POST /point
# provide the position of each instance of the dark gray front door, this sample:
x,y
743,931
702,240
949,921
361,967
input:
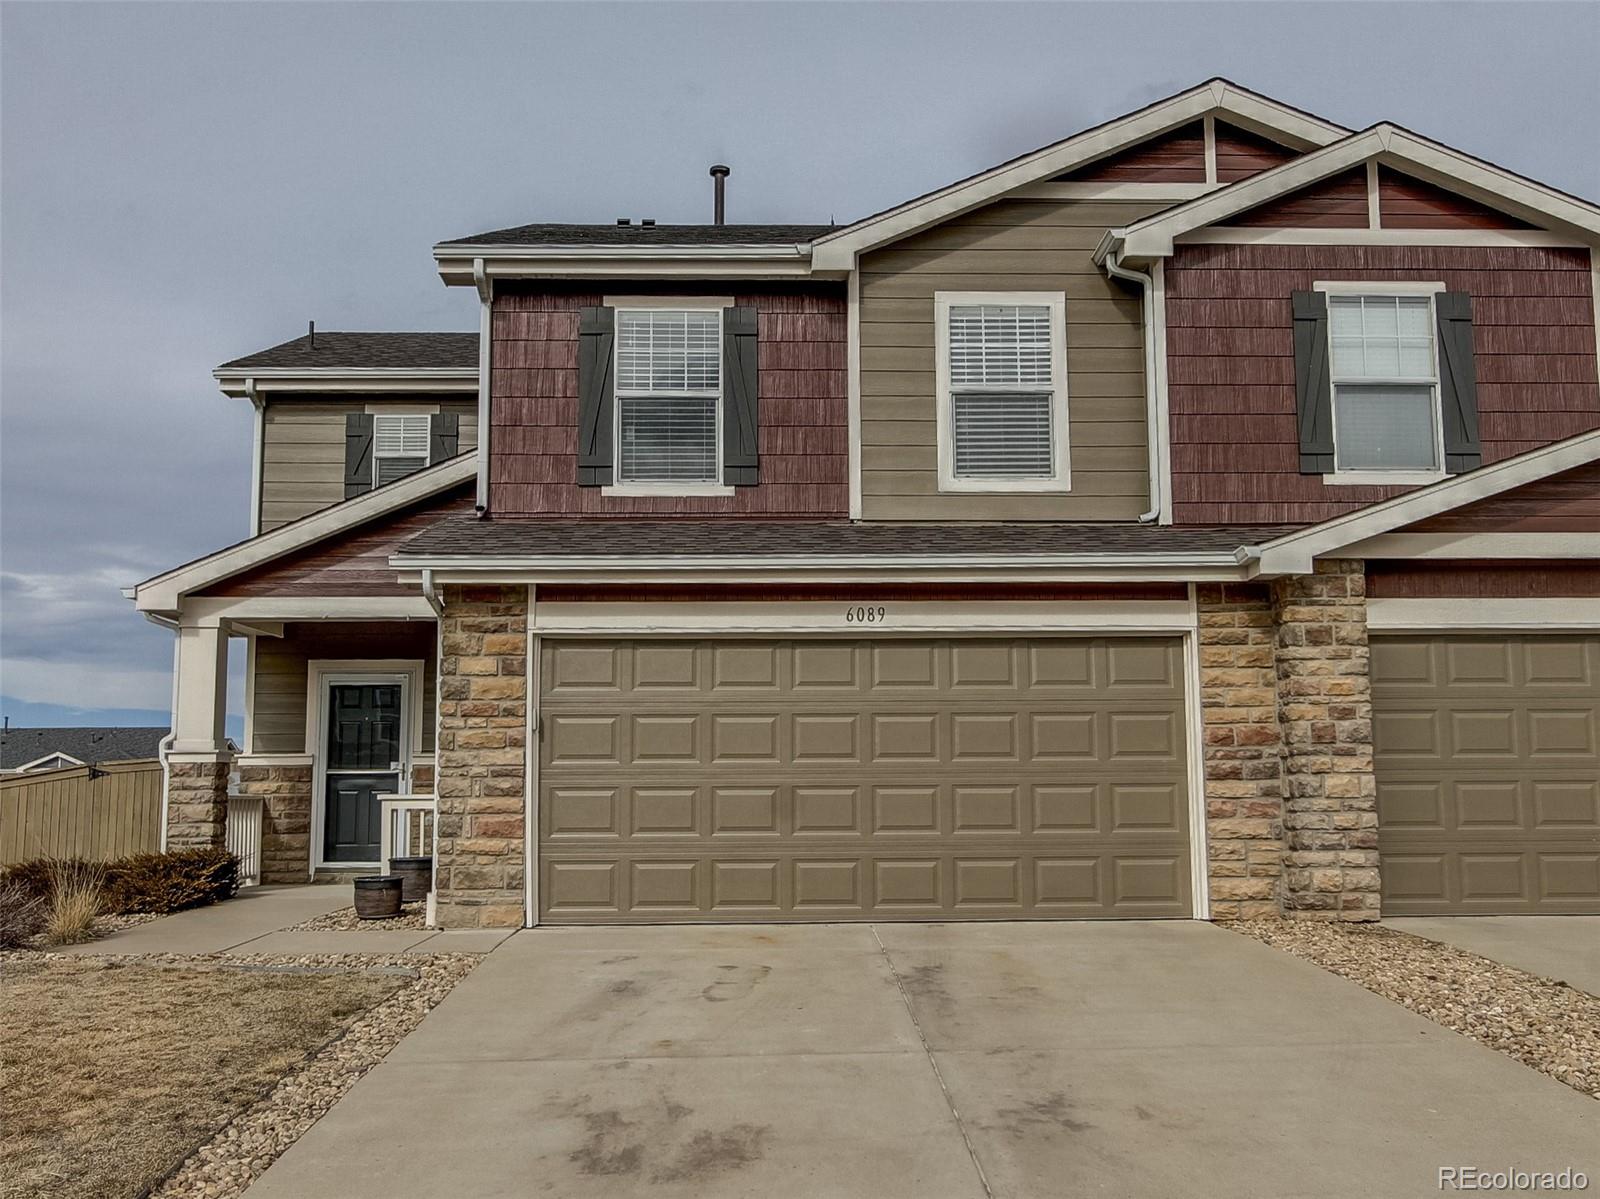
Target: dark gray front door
x,y
364,762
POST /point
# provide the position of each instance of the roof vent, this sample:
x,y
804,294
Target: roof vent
x,y
719,174
622,220
648,222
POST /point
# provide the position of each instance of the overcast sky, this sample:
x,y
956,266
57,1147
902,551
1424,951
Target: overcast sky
x,y
184,183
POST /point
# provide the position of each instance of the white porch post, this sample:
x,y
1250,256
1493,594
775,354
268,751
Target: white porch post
x,y
197,783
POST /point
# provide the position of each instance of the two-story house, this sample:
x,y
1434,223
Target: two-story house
x,y
1196,517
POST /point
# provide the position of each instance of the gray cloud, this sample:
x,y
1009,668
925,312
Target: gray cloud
x,y
185,183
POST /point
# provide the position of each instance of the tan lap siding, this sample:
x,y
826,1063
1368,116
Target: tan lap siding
x,y
302,450
279,703
1014,245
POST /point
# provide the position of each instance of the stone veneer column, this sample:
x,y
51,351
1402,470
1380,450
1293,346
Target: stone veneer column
x,y
1325,711
481,776
286,825
197,802
1242,749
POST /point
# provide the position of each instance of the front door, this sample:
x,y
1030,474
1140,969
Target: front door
x,y
364,760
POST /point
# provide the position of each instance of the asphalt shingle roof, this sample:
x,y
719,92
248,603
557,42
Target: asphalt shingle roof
x,y
364,350
645,235
89,745
456,536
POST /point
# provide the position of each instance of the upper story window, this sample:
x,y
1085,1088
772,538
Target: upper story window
x,y
399,445
1385,378
1002,395
668,395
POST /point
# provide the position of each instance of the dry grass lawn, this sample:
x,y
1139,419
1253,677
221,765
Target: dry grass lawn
x,y
114,1072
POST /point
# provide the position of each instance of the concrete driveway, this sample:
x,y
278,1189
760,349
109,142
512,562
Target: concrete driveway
x,y
1563,947
926,1061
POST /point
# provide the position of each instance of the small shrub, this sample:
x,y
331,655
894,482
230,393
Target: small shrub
x,y
146,882
21,914
75,890
171,882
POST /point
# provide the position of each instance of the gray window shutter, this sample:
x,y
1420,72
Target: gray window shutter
x,y
1458,383
597,332
357,454
444,435
1313,385
740,398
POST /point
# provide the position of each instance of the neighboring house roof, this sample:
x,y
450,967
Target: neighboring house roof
x,y
24,747
783,542
1391,146
614,235
1295,550
1220,97
163,592
364,351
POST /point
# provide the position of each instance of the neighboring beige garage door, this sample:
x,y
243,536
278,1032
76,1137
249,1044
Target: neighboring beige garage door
x,y
850,780
1488,763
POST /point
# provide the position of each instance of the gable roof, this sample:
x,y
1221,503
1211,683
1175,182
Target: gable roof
x,y
655,236
1216,97
163,593
364,351
85,746
1294,552
1392,146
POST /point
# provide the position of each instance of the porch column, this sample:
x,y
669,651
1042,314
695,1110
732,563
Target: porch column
x,y
481,779
1330,816
199,762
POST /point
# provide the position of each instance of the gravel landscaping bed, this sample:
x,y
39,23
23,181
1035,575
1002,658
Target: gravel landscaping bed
x,y
244,1147
1541,1022
345,920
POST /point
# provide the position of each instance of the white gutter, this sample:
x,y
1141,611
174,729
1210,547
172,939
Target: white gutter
x,y
256,450
1152,407
485,286
778,563
445,251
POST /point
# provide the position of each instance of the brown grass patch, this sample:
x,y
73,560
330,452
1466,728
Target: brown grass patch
x,y
115,1070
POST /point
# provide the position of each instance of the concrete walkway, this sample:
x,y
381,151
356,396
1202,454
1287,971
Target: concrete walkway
x,y
1563,947
925,1062
254,920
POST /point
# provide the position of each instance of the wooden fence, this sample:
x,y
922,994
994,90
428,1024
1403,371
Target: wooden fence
x,y
67,814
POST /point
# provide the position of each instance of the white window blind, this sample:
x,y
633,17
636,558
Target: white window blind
x,y
1001,391
1385,382
399,445
669,388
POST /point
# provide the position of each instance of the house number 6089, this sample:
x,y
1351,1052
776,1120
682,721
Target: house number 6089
x,y
865,615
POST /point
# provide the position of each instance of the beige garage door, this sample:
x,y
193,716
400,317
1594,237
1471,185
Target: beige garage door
x,y
1488,763
851,780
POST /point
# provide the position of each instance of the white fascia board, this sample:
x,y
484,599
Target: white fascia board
x,y
1295,552
624,262
1154,236
837,251
1477,545
348,379
164,592
256,610
779,564
37,763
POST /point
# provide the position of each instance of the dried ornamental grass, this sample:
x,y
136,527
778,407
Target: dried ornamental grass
x,y
75,893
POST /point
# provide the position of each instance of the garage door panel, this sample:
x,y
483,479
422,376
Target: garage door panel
x,y
916,779
1488,765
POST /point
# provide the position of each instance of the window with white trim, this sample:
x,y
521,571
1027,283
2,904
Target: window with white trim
x,y
1002,391
399,445
1384,368
669,395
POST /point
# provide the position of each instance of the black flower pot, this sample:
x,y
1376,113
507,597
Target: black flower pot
x,y
378,897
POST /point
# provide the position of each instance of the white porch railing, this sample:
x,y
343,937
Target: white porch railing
x,y
246,815
408,829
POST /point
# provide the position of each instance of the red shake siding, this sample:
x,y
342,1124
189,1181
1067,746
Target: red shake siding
x,y
1407,203
1230,364
533,463
1175,157
1241,154
1564,503
1495,579
1340,202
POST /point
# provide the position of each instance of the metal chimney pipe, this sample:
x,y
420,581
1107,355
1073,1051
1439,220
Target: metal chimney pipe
x,y
720,174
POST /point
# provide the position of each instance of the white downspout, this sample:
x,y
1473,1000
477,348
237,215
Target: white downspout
x,y
485,286
1152,415
257,449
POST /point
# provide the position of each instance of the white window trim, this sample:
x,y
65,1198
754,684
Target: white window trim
x,y
1056,301
641,488
1381,478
